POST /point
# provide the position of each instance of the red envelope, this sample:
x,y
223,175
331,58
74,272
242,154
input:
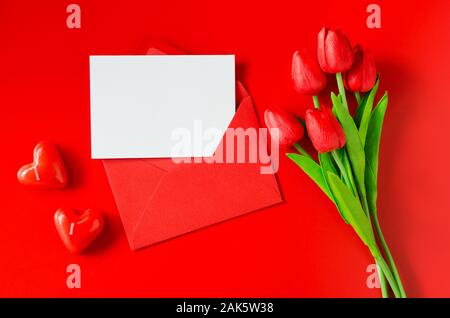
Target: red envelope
x,y
159,199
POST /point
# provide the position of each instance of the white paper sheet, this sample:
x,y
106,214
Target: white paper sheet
x,y
152,106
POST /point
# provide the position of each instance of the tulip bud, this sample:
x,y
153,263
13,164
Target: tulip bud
x,y
361,77
307,76
290,130
334,51
324,130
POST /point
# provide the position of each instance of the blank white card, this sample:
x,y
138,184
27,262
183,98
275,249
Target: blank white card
x,y
160,106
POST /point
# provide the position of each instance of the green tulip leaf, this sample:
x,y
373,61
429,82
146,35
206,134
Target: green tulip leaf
x,y
366,112
354,146
313,170
350,207
372,149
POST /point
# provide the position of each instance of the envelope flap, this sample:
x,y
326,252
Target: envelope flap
x,y
158,47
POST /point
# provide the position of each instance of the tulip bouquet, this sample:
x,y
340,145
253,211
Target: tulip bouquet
x,y
347,162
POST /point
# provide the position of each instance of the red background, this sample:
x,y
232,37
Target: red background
x,y
298,248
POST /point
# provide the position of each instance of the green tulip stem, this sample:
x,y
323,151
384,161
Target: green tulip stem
x,y
381,274
340,83
341,167
388,254
316,101
384,289
301,150
387,273
351,177
358,97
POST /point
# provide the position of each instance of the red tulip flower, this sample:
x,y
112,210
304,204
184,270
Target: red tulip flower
x,y
290,130
307,76
334,51
361,77
324,130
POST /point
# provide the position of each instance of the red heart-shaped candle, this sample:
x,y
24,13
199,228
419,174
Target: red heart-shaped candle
x,y
78,230
47,170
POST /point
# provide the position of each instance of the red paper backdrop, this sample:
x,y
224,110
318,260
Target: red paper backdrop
x,y
298,248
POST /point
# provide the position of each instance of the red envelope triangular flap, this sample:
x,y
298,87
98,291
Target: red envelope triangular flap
x,y
132,183
240,92
209,194
245,116
158,47
244,119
